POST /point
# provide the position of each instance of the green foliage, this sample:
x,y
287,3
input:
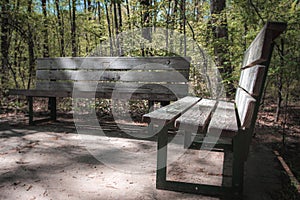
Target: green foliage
x,y
244,19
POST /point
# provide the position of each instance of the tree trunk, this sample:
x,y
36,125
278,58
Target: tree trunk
x,y
280,83
120,16
45,31
145,23
30,45
61,30
109,28
120,26
116,26
183,25
220,36
128,13
4,45
73,29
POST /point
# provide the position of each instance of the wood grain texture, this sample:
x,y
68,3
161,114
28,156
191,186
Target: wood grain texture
x,y
260,49
223,122
197,116
171,112
105,63
126,76
179,90
245,104
251,79
90,95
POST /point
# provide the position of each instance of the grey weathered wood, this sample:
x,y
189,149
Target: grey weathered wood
x,y
140,95
232,121
197,116
223,122
169,113
179,90
251,79
245,104
104,63
126,76
260,49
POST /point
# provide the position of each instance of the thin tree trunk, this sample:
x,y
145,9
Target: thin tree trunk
x,y
167,23
128,14
120,26
45,31
4,45
220,34
73,29
120,16
196,11
280,83
61,30
116,26
145,23
183,18
109,28
30,45
173,23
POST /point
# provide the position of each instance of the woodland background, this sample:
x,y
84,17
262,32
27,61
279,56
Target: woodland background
x,y
57,28
31,29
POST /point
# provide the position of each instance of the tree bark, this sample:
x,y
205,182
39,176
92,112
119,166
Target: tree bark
x,y
109,27
280,83
128,13
220,35
61,29
145,23
120,27
183,25
73,29
45,31
4,45
30,45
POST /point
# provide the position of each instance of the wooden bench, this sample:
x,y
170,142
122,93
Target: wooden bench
x,y
228,126
161,79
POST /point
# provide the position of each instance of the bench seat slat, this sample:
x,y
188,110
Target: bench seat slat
x,y
224,121
170,112
197,116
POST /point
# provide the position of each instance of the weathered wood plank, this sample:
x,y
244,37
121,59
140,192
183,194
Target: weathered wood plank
x,y
223,122
90,95
103,63
102,75
260,49
197,116
177,89
251,79
245,104
169,113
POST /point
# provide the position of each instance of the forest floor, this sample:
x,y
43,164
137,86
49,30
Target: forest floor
x,y
50,161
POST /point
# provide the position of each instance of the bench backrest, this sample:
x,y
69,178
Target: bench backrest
x,y
153,78
253,73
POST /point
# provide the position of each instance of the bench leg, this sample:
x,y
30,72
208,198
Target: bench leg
x,y
30,109
52,102
161,171
187,139
150,109
238,165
